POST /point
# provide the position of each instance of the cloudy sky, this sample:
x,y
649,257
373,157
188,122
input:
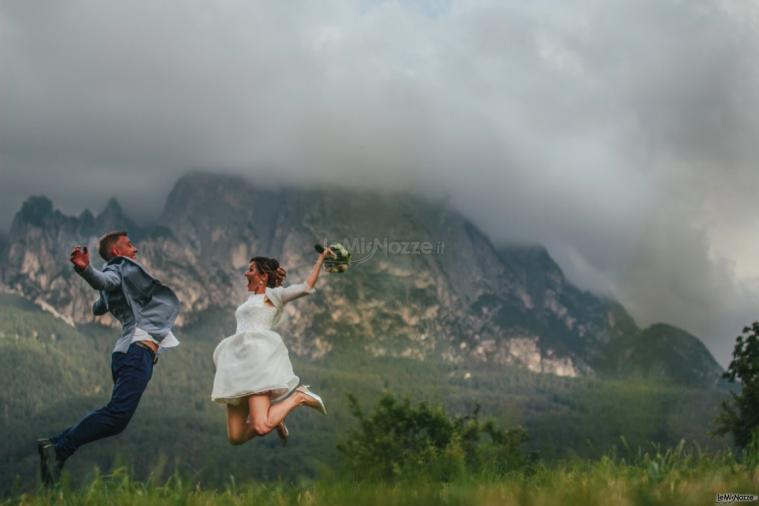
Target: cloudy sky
x,y
622,134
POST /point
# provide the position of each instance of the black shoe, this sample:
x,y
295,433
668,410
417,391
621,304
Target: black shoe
x,y
47,480
50,466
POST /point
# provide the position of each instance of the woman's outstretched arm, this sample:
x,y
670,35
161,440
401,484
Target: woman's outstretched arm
x,y
298,290
311,279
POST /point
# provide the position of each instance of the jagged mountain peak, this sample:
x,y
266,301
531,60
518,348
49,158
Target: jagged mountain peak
x,y
112,213
197,189
113,218
204,206
86,216
35,210
213,195
112,208
38,213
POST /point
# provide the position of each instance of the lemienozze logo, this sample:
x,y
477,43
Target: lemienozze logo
x,y
733,497
365,248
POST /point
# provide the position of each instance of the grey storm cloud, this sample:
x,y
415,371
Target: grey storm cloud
x,y
622,134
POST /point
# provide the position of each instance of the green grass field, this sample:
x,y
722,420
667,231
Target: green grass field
x,y
673,477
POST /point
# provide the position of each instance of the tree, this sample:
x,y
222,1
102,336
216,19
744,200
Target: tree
x,y
740,414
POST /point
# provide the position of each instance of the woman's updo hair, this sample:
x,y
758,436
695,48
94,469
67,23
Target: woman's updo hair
x,y
268,266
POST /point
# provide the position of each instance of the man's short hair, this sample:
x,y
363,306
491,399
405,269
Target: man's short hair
x,y
107,242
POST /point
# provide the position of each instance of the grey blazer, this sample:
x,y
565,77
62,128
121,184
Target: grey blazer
x,y
134,298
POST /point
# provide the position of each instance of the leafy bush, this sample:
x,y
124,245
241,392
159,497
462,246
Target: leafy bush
x,y
399,441
740,415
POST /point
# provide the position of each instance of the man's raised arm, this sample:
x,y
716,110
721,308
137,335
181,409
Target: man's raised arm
x,y
106,280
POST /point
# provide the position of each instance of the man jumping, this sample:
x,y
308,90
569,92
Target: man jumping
x,y
146,309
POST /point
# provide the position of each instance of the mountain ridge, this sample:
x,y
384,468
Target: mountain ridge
x,y
512,305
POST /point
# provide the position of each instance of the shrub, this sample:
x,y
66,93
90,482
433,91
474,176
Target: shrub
x,y
401,441
740,414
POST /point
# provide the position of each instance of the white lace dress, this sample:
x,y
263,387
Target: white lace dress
x,y
255,359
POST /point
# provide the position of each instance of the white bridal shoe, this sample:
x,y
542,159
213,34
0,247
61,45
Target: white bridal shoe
x,y
312,400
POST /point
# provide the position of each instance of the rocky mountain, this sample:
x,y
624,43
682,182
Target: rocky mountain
x,y
665,352
425,281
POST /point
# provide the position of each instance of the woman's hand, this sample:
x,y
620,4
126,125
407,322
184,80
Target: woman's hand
x,y
281,274
327,252
311,281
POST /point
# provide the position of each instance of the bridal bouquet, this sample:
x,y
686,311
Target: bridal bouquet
x,y
339,262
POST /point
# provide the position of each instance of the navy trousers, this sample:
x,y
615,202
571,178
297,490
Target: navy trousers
x,y
131,372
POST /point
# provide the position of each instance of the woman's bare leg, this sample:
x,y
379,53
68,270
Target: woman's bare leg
x,y
265,416
237,424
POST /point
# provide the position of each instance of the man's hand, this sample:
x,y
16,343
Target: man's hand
x,y
80,257
281,274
